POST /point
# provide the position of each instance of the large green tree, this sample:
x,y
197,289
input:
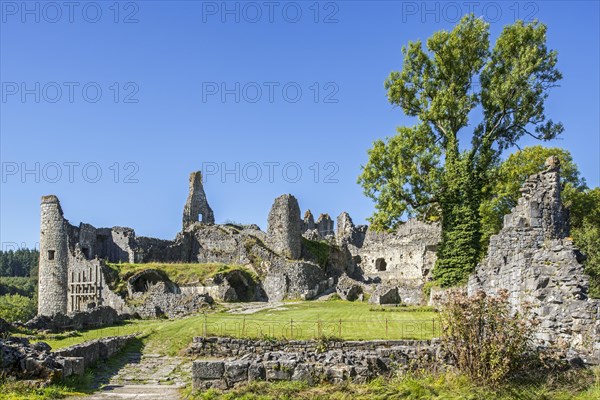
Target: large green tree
x,y
427,169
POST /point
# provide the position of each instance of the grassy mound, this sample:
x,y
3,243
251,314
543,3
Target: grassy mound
x,y
180,273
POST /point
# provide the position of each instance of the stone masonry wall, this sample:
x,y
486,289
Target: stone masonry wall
x,y
285,227
53,278
310,361
196,203
93,318
537,263
81,356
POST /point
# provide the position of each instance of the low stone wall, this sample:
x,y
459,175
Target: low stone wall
x,y
75,359
94,318
311,361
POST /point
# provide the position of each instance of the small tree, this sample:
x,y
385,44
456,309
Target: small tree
x,y
484,338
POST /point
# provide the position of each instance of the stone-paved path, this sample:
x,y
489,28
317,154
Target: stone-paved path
x,y
147,376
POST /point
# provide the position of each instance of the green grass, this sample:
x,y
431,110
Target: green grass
x,y
306,319
577,385
571,385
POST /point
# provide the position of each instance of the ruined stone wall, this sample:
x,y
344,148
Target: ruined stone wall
x,y
324,226
96,318
405,257
537,263
288,265
72,276
196,203
309,361
285,228
157,303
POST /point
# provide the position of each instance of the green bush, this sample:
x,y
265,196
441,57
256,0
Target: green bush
x,y
14,307
485,339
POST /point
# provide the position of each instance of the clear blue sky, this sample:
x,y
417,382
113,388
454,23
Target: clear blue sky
x,y
172,56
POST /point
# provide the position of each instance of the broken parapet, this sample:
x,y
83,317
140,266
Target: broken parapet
x,y
540,205
308,222
196,203
347,233
285,227
324,225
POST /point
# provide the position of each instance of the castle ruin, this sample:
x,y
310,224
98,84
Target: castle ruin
x,y
74,275
297,258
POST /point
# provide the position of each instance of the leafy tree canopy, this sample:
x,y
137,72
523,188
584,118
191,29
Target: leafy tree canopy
x,y
425,170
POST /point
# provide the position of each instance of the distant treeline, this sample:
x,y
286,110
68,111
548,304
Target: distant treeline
x,y
22,262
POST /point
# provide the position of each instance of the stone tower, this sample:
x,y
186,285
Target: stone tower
x,y
53,274
197,203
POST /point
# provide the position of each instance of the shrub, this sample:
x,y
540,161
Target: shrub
x,y
14,307
484,338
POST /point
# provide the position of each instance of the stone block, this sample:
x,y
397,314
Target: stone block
x,y
236,372
206,370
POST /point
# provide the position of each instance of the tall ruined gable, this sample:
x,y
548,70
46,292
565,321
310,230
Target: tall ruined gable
x,y
537,263
196,203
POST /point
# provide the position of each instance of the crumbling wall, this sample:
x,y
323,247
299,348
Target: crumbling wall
x,y
347,233
294,280
324,226
287,266
308,221
285,229
196,203
406,254
537,263
94,318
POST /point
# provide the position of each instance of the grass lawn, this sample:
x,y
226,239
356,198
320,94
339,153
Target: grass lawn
x,y
293,320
